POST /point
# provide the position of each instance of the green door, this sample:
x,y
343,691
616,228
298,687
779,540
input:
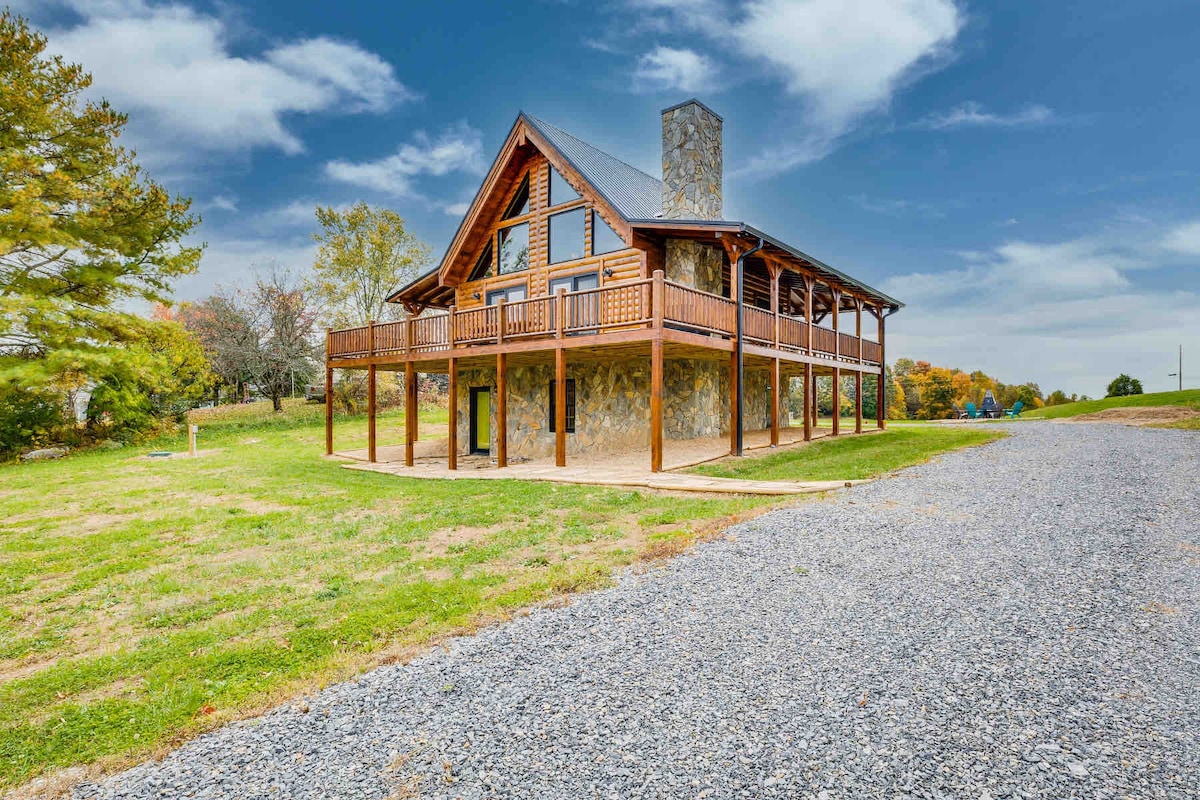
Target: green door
x,y
481,419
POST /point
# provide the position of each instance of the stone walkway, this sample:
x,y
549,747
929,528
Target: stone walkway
x,y
620,469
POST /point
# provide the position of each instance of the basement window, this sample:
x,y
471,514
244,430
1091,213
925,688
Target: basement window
x,y
570,405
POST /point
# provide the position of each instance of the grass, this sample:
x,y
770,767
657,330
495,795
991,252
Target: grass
x,y
854,457
145,600
1189,398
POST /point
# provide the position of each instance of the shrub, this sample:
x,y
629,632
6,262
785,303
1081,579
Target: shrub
x,y
1123,385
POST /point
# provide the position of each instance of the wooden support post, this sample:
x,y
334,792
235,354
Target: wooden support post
x,y
775,388
371,414
658,299
837,334
808,402
192,431
501,319
809,285
837,400
560,406
656,401
858,389
816,406
501,410
410,411
858,307
328,411
733,393
881,386
773,268
452,409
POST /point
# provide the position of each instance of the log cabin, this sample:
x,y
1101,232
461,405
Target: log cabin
x,y
584,306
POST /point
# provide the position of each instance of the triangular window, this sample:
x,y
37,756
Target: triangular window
x,y
560,191
519,205
604,238
484,265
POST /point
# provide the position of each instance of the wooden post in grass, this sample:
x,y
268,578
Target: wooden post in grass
x,y
328,411
808,402
192,430
837,400
410,411
775,387
452,433
501,410
370,413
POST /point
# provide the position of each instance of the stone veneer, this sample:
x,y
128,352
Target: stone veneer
x,y
691,162
695,264
612,405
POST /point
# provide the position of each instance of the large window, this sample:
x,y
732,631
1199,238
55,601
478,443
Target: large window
x,y
604,238
566,235
514,248
570,405
560,191
519,205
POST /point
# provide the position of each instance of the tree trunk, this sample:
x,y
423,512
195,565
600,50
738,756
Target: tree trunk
x,y
277,400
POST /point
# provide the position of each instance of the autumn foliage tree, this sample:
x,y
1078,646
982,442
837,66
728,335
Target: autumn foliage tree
x,y
84,232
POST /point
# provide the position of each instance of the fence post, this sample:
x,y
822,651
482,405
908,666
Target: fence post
x,y
560,313
450,336
371,338
658,298
501,321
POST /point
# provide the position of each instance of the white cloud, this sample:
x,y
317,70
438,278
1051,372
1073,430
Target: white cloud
x,y
173,69
1184,239
223,202
456,209
1064,314
842,59
973,115
458,149
666,68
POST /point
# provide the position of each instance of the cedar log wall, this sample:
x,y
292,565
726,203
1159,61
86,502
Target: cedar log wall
x,y
627,264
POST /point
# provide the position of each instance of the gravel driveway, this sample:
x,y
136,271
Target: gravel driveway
x,y
1018,620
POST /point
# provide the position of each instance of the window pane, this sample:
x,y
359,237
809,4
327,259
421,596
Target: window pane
x,y
484,265
560,191
604,238
514,248
520,201
566,236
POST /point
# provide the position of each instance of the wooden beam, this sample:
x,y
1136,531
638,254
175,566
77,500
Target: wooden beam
x,y
371,414
502,410
560,407
733,394
809,283
656,404
452,409
837,399
808,402
858,404
775,389
410,411
328,411
881,387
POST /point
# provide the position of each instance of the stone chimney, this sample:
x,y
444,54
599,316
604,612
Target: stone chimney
x,y
691,162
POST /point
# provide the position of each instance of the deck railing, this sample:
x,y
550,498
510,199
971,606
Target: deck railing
x,y
622,306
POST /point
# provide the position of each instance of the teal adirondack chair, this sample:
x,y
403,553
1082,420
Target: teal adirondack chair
x,y
972,412
1015,411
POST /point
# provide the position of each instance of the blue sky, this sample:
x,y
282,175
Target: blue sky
x,y
1024,176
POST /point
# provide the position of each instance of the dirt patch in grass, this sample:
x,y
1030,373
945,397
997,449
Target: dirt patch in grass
x,y
1134,415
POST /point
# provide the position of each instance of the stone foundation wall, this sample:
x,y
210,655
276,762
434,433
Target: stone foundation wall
x,y
612,405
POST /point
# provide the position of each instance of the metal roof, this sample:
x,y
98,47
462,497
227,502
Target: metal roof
x,y
632,193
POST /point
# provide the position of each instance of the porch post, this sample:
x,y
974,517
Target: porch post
x,y
775,387
808,401
501,410
881,386
328,409
656,404
809,284
371,414
837,400
733,396
410,411
560,407
452,410
773,269
858,376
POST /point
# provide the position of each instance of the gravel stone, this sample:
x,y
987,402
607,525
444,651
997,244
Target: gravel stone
x,y
1020,620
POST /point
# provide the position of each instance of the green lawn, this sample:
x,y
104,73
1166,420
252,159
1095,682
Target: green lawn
x,y
1188,397
853,457
145,600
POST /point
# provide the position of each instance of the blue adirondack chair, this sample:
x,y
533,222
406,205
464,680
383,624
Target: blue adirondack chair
x,y
1015,411
972,412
